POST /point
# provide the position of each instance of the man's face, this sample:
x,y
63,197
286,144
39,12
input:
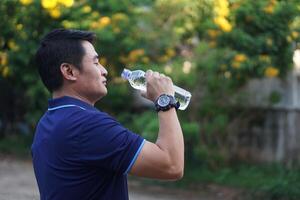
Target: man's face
x,y
91,81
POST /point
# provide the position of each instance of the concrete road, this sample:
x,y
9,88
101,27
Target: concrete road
x,y
17,182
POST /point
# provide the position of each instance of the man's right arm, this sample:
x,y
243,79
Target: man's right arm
x,y
163,159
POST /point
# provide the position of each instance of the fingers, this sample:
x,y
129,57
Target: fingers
x,y
166,77
153,75
157,84
162,75
156,74
150,73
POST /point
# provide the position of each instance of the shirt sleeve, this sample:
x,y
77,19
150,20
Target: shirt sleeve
x,y
107,144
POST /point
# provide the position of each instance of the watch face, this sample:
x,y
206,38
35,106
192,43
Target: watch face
x,y
163,100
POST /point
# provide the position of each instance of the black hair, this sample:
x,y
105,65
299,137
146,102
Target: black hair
x,y
57,47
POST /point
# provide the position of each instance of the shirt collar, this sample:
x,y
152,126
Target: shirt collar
x,y
67,101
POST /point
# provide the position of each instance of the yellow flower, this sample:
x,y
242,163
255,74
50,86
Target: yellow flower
x,y
12,45
163,58
26,2
222,11
170,52
104,21
116,30
119,17
240,58
212,33
67,3
269,9
289,38
236,65
269,42
271,72
103,61
265,58
19,27
273,2
49,4
135,54
55,13
87,9
168,69
3,59
221,3
95,14
67,24
145,60
5,71
223,24
94,25
221,8
295,34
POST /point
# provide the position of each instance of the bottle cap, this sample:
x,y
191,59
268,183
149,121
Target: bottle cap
x,y
126,74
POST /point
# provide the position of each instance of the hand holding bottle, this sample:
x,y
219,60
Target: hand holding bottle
x,y
156,85
138,80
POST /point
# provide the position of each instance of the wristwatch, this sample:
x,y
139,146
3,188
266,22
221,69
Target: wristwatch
x,y
164,102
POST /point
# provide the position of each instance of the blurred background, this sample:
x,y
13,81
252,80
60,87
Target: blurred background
x,y
238,58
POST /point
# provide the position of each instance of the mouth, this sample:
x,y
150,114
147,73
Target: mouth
x,y
104,82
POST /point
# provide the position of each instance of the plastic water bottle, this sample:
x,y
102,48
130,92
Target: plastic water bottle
x,y
137,80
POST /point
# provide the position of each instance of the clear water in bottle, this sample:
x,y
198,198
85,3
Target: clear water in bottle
x,y
137,80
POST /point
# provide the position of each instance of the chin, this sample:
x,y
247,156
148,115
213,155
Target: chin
x,y
102,94
105,92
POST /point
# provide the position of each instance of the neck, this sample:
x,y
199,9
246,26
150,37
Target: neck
x,y
71,93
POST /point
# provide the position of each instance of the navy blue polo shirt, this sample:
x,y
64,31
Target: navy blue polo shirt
x,y
82,153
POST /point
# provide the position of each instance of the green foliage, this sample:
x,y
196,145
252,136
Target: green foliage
x,y
275,97
208,51
16,145
25,22
254,39
261,37
118,95
144,124
272,182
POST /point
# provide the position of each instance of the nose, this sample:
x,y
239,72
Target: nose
x,y
104,72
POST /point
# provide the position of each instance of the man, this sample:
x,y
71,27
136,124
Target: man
x,y
82,153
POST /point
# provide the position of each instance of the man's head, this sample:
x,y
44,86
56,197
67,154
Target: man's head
x,y
67,58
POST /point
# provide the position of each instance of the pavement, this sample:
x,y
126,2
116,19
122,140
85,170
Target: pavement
x,y
17,182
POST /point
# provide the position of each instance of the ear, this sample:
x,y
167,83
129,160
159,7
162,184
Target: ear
x,y
68,71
